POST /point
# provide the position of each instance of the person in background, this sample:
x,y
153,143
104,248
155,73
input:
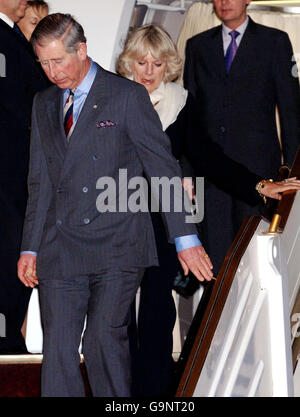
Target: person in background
x,y
150,58
36,10
240,72
21,77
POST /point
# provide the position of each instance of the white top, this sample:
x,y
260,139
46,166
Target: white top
x,y
168,100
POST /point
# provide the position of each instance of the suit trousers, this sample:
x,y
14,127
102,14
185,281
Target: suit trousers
x,y
14,296
151,339
104,299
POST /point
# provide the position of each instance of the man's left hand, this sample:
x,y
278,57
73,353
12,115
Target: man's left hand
x,y
197,261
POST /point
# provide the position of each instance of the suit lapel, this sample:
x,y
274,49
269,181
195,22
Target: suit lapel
x,y
94,103
215,53
55,125
246,51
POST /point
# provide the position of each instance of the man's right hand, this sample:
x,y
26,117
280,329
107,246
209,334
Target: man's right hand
x,y
27,270
196,260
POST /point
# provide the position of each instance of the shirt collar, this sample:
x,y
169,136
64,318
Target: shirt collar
x,y
85,85
241,29
6,19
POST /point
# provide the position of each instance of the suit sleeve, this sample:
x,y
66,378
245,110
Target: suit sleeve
x,y
189,70
39,190
154,151
208,159
288,96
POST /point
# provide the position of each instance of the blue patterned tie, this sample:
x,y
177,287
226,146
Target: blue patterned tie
x,y
231,50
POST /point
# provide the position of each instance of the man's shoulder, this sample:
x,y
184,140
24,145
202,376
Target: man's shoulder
x,y
4,27
7,35
48,93
117,81
205,36
119,86
266,31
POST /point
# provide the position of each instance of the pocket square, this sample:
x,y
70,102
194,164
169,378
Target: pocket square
x,y
106,123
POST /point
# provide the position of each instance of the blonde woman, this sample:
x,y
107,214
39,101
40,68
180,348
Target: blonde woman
x,y
36,10
151,59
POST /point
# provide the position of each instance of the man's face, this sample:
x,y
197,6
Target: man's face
x,y
14,9
63,68
232,12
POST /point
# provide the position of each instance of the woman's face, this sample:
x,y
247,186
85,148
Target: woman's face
x,y
30,20
149,71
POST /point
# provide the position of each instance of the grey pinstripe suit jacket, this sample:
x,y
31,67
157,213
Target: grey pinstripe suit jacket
x,y
62,222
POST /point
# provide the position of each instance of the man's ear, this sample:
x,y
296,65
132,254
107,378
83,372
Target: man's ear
x,y
82,50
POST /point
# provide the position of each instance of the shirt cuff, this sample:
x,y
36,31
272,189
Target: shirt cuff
x,y
186,242
29,252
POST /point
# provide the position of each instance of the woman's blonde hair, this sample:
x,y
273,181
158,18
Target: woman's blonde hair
x,y
153,39
39,6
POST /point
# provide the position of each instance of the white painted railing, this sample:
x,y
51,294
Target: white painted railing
x,y
250,354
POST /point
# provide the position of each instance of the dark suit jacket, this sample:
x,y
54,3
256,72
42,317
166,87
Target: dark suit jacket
x,y
237,113
62,222
23,78
20,78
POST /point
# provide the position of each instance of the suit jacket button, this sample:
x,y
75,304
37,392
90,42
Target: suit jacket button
x,y
223,129
58,222
85,189
86,221
95,157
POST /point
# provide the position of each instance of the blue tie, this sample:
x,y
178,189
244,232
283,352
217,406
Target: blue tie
x,y
18,30
231,50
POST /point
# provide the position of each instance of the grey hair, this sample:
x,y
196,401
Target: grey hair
x,y
59,26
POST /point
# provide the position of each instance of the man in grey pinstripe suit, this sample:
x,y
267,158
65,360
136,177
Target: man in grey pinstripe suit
x,y
87,262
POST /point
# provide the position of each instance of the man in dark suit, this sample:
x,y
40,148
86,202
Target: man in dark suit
x,y
239,72
20,79
90,261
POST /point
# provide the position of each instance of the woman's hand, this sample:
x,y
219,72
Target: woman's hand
x,y
273,189
188,186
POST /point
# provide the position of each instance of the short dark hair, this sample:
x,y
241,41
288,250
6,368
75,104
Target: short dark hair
x,y
59,26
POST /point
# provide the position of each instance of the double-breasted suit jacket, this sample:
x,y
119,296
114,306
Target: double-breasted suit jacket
x,y
237,111
117,129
